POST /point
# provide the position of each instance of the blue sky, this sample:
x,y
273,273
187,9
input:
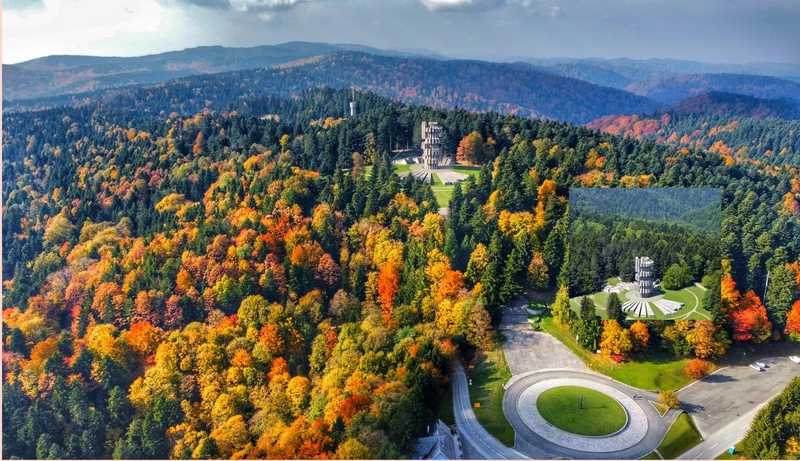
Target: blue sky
x,y
726,31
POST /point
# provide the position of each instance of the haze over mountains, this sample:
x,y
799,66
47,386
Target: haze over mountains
x,y
578,91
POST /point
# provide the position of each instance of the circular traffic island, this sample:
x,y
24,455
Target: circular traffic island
x,y
580,410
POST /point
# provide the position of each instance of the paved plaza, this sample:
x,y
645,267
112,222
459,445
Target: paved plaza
x,y
527,350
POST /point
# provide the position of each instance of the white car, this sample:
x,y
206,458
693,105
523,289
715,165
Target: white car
x,y
794,358
761,364
756,367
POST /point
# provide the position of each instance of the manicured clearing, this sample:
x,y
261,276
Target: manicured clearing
x,y
612,281
598,415
651,371
488,376
692,304
682,435
651,455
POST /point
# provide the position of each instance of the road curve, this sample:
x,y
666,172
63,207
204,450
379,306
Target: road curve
x,y
469,429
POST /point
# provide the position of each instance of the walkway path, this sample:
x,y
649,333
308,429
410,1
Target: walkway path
x,y
632,443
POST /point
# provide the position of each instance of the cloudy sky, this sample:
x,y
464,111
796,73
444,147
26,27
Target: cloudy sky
x,y
731,31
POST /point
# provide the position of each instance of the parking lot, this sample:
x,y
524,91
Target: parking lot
x,y
718,399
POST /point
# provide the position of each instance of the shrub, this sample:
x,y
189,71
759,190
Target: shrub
x,y
669,398
698,368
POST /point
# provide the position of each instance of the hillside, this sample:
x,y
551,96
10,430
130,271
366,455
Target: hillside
x,y
735,138
737,105
474,85
621,72
673,89
56,75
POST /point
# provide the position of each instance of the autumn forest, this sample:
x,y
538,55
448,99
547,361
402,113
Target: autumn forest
x,y
250,278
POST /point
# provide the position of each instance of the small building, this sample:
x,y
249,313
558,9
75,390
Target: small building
x,y
438,444
644,277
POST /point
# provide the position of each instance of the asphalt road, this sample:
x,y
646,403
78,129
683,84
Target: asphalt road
x,y
469,429
721,440
721,398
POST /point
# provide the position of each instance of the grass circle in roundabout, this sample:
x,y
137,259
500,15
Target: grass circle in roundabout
x,y
600,414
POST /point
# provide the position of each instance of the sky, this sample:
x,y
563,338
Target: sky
x,y
719,31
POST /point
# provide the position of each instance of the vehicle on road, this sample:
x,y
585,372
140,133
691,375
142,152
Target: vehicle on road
x,y
761,364
756,367
794,358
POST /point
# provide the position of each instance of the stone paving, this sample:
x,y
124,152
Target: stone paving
x,y
632,433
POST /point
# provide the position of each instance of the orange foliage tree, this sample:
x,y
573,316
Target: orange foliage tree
x,y
750,320
640,335
698,368
388,284
793,321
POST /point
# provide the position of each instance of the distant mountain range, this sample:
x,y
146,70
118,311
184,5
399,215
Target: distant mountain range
x,y
57,75
577,91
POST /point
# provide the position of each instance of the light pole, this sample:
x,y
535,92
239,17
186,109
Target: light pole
x,y
581,407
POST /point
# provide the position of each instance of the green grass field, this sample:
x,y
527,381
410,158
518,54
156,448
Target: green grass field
x,y
489,374
651,370
682,435
580,410
441,191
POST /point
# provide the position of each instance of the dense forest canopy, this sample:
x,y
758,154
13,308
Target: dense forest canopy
x,y
664,204
606,245
191,274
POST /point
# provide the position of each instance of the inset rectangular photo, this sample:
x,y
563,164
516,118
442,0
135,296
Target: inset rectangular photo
x,y
644,254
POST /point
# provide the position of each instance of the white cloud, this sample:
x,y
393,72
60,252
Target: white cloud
x,y
72,27
460,5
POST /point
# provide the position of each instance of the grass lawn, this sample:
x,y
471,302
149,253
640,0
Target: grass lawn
x,y
612,281
660,408
739,448
581,410
651,371
441,191
489,374
651,455
682,436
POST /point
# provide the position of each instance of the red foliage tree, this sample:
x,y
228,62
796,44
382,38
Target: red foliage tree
x,y
750,320
793,321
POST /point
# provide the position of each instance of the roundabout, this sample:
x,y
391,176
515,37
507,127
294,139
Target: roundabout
x,y
640,432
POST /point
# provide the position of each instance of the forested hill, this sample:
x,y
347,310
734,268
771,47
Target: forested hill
x,y
219,284
734,138
673,89
696,206
57,75
737,105
473,85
